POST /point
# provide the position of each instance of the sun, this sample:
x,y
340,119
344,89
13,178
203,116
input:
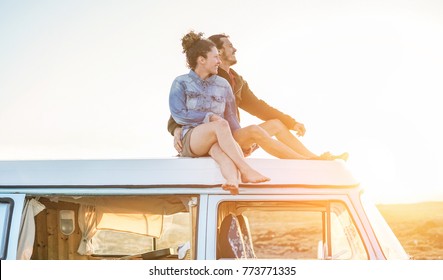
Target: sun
x,y
374,165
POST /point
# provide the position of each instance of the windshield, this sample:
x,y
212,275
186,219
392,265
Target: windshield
x,y
391,247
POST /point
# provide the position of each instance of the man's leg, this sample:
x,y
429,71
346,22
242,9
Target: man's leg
x,y
281,132
256,134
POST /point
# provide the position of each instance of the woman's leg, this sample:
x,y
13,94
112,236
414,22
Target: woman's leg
x,y
205,135
227,167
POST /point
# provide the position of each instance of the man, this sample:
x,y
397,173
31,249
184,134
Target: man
x,y
277,124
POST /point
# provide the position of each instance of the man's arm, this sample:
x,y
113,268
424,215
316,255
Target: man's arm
x,y
175,129
172,125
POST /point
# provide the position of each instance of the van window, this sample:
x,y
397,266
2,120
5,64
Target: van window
x,y
118,227
289,230
392,249
175,232
6,207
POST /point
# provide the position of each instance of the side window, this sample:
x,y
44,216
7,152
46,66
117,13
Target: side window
x,y
288,230
162,230
118,227
175,232
6,208
391,246
346,243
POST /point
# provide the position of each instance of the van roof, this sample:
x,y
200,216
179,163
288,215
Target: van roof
x,y
172,171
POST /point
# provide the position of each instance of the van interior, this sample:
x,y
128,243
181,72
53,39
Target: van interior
x,y
113,227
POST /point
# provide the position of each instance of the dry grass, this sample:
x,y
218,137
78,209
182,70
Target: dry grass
x,y
419,227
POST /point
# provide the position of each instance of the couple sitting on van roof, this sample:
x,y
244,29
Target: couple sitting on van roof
x,y
204,103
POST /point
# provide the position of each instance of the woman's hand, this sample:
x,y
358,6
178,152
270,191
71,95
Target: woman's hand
x,y
214,118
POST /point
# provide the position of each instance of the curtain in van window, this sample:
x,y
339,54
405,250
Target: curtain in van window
x,y
158,204
87,222
27,229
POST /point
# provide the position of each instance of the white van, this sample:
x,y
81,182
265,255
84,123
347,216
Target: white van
x,y
174,208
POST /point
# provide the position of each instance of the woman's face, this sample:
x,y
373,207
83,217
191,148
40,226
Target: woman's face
x,y
211,62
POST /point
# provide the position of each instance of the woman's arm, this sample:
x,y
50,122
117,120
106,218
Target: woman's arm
x,y
177,105
230,113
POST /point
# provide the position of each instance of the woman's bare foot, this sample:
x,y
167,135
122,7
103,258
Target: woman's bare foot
x,y
231,187
253,176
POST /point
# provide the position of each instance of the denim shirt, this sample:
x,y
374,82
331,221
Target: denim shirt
x,y
193,100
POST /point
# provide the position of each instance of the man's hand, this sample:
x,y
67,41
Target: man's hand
x,y
299,128
177,142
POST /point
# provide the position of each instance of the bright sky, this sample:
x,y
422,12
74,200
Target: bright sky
x,y
90,79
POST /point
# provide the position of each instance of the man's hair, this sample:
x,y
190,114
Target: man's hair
x,y
217,40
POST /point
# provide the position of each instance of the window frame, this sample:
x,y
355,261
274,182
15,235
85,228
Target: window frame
x,y
6,226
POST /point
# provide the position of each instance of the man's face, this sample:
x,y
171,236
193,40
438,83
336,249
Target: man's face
x,y
227,53
212,61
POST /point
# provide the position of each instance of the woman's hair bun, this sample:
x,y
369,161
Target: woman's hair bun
x,y
190,39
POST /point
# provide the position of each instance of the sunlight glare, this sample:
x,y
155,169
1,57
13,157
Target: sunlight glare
x,y
373,165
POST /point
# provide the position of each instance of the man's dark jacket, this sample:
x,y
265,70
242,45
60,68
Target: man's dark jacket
x,y
246,100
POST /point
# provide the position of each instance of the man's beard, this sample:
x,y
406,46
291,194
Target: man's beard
x,y
229,61
233,61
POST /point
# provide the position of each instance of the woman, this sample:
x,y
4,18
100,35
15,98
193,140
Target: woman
x,y
204,104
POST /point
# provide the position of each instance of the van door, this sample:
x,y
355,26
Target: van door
x,y
11,206
285,227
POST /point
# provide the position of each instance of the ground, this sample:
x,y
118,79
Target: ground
x,y
419,227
